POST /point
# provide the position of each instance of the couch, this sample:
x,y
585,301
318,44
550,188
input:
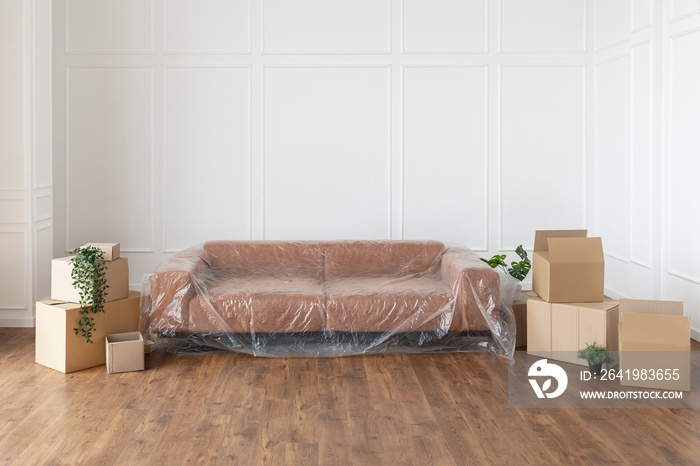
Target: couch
x,y
331,298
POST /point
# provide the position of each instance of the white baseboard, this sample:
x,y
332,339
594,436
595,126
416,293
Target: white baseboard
x,y
694,334
22,322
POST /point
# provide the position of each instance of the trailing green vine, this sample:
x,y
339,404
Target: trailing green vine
x,y
89,277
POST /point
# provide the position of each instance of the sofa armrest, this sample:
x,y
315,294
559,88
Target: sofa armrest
x,y
169,290
476,288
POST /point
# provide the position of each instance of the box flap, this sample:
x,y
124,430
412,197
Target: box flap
x,y
541,237
640,306
652,329
575,250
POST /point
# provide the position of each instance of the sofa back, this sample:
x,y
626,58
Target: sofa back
x,y
277,258
395,258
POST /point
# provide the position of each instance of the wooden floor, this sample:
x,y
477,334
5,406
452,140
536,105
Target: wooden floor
x,y
235,409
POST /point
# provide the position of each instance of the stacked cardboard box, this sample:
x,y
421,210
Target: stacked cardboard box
x,y
571,311
57,345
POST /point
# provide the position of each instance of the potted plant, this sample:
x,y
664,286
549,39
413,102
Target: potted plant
x,y
517,270
595,356
89,277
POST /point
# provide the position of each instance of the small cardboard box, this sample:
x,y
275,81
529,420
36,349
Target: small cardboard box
x,y
520,311
559,330
654,335
57,345
124,352
568,267
62,288
111,250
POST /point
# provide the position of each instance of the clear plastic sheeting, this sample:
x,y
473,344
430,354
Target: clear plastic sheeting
x,y
325,299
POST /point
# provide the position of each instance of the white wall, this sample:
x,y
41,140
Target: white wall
x,y
470,121
645,148
179,121
25,158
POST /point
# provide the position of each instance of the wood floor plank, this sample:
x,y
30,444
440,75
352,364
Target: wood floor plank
x,y
274,432
416,407
433,450
208,440
241,437
305,405
461,441
481,378
302,453
393,427
334,444
482,423
366,445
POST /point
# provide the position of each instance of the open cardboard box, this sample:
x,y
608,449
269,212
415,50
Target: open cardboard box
x,y
57,345
654,335
559,330
568,267
124,352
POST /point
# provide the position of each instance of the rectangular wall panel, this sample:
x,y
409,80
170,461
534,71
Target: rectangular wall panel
x,y
613,155
543,177
13,272
11,97
207,26
683,7
642,152
207,147
109,156
42,263
613,21
43,207
108,26
684,157
42,99
326,139
445,154
641,13
543,25
12,211
445,26
326,26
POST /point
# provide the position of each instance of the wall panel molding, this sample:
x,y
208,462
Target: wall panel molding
x,y
109,19
580,172
70,241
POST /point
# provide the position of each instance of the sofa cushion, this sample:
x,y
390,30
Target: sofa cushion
x,y
364,258
275,258
383,304
260,305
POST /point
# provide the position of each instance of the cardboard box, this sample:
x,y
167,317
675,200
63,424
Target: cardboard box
x,y
559,330
520,311
654,335
62,288
111,250
568,267
124,352
57,345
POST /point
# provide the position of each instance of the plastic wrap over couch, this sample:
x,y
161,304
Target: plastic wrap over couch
x,y
334,298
